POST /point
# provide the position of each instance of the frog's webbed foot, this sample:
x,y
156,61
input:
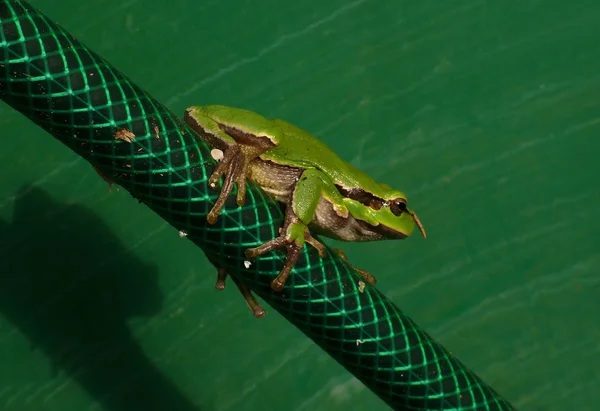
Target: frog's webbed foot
x,y
294,234
365,275
233,166
252,303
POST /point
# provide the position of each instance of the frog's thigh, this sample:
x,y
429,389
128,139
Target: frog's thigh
x,y
208,129
313,184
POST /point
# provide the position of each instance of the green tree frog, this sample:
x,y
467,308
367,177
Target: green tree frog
x,y
322,193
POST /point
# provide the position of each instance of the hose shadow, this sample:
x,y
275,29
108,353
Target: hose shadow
x,y
70,286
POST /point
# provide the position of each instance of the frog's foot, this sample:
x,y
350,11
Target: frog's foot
x,y
295,235
365,275
292,254
254,306
233,166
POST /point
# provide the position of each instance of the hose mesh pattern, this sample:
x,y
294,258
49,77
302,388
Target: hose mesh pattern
x,y
84,102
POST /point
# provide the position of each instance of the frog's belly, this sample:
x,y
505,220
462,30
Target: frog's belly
x,y
276,180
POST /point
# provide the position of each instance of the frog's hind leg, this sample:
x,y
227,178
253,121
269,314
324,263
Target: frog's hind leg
x,y
232,165
311,187
238,150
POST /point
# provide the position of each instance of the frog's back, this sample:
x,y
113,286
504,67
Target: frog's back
x,y
303,150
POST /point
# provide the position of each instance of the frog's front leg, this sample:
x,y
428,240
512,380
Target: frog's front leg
x,y
236,157
312,186
365,275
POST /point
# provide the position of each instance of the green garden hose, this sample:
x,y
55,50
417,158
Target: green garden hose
x,y
83,101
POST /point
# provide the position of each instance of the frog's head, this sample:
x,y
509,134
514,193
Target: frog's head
x,y
386,212
395,218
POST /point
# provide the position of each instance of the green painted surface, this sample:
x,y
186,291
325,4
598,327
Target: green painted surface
x,y
485,115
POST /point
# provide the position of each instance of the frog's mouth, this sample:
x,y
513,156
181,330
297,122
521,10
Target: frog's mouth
x,y
383,231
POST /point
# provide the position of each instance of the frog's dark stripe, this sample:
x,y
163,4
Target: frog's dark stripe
x,y
260,143
360,195
287,176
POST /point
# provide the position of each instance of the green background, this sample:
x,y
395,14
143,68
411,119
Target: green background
x,y
485,113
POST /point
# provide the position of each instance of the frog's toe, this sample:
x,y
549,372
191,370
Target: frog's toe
x,y
241,194
277,284
221,277
364,274
264,248
213,214
293,252
254,306
367,276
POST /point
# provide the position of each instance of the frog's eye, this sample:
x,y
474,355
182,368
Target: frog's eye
x,y
398,206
